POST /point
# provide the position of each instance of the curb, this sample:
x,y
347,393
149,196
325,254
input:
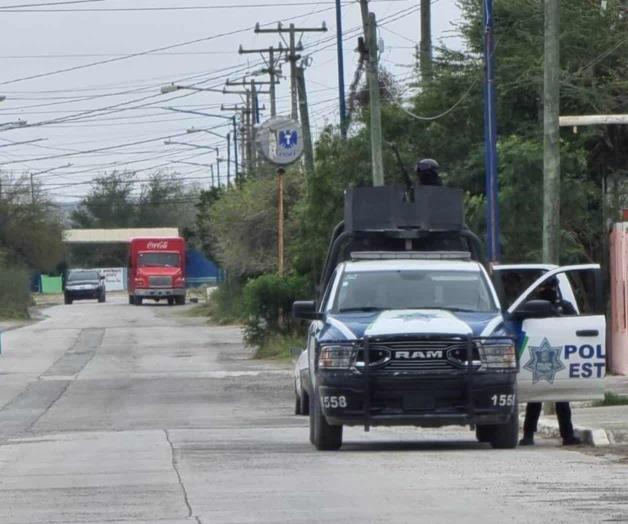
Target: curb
x,y
589,436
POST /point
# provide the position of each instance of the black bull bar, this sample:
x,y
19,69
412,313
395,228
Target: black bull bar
x,y
469,369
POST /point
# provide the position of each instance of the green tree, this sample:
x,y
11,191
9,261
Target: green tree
x,y
30,230
119,200
244,224
109,204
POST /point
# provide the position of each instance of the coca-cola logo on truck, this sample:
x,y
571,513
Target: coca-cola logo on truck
x,y
157,244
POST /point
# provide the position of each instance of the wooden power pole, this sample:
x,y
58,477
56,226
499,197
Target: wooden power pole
x,y
292,55
370,38
308,150
425,46
551,134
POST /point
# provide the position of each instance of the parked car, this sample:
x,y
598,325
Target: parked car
x,y
83,284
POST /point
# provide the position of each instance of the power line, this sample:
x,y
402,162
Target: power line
x,y
139,53
50,3
23,9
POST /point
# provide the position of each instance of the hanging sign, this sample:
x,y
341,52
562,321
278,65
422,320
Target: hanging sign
x,y
280,140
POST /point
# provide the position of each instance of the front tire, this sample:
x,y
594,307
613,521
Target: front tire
x,y
324,436
131,300
506,436
484,433
137,301
180,300
67,300
304,400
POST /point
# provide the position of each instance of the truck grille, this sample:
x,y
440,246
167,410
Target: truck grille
x,y
160,281
423,355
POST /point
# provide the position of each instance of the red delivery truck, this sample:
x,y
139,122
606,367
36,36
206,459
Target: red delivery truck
x,y
157,270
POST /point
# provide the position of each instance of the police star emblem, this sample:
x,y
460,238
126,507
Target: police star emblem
x,y
544,362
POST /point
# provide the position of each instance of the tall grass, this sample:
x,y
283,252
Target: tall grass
x,y
15,296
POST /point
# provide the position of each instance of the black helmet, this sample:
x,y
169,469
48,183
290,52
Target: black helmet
x,y
427,165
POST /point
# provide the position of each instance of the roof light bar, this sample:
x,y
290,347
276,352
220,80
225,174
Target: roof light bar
x,y
413,255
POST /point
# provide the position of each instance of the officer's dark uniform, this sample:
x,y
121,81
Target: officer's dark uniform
x,y
427,172
563,411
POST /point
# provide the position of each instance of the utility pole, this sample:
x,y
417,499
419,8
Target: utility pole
x,y
425,58
249,115
292,55
32,190
218,164
211,170
490,138
551,134
308,150
341,72
234,125
370,38
271,69
239,162
228,160
280,221
255,102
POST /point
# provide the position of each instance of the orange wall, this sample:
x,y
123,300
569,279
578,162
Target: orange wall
x,y
619,299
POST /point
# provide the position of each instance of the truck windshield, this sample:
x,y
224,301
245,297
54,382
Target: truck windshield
x,y
82,275
414,289
158,260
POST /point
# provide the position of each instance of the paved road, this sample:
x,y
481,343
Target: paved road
x,y
112,413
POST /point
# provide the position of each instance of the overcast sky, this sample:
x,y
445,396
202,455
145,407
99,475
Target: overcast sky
x,y
118,103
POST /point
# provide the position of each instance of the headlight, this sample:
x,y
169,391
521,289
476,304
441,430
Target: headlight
x,y
336,357
497,355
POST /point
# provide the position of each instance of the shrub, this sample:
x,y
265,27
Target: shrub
x,y
281,346
225,303
15,294
268,302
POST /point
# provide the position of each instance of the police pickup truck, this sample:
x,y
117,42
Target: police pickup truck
x,y
410,329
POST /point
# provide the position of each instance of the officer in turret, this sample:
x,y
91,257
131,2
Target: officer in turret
x,y
427,172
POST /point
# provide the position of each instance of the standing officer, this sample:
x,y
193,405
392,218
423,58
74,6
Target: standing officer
x,y
550,291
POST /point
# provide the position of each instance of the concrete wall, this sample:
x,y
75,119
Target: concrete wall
x,y
619,299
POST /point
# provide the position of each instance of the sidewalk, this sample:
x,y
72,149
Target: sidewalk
x,y
596,426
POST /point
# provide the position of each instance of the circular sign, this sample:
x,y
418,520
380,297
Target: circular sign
x,y
280,140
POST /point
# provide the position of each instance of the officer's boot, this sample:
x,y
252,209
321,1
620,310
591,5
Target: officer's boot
x,y
528,439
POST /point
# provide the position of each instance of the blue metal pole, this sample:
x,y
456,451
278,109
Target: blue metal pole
x,y
490,138
341,71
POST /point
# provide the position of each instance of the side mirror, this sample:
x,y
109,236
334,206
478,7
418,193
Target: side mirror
x,y
305,309
535,309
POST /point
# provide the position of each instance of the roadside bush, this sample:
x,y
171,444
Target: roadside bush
x,y
15,294
268,303
225,303
280,346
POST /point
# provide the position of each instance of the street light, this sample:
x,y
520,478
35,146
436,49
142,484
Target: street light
x,y
13,125
232,118
197,146
33,175
171,88
210,166
24,142
197,130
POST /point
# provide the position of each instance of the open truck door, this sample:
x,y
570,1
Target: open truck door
x,y
562,355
